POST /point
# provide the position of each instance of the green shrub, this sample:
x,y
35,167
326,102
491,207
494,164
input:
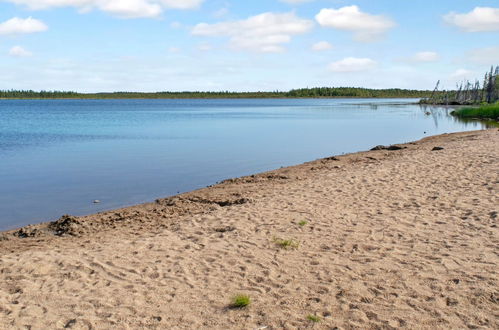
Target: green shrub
x,y
286,243
313,318
240,301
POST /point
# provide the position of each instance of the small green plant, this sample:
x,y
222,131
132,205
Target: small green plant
x,y
240,301
302,223
313,318
286,243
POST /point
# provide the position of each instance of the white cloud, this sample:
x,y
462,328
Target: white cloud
x,y
131,8
366,27
480,19
18,51
353,64
461,74
422,57
487,56
180,4
173,50
321,46
426,57
266,32
120,8
18,25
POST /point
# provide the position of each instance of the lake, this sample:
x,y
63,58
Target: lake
x,y
58,156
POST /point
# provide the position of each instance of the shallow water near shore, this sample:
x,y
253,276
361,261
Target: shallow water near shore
x,y
58,156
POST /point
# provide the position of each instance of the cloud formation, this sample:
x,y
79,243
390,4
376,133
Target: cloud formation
x,y
18,25
322,46
461,74
18,51
422,57
480,19
264,33
366,27
352,64
119,8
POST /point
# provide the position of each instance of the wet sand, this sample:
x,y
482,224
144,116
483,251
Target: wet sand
x,y
380,239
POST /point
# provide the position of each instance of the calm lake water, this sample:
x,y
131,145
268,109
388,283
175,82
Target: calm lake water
x,y
58,156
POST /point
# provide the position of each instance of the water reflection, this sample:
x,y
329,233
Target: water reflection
x,y
442,111
478,124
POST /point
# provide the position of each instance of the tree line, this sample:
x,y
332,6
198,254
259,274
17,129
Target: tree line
x,y
357,92
318,92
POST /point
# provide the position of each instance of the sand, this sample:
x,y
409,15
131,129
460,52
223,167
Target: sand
x,y
384,239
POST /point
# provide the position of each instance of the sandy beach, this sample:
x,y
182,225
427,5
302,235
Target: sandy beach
x,y
402,237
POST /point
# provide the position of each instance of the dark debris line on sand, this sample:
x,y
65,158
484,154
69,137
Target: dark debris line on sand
x,y
391,148
65,225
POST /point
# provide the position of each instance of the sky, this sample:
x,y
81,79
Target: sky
x,y
257,45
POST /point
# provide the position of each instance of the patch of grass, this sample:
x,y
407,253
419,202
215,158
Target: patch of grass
x,y
240,301
313,318
302,223
286,243
483,112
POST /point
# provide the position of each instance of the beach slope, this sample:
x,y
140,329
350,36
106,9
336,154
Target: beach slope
x,y
395,237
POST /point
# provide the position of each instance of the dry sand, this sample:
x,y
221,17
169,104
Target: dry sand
x,y
403,238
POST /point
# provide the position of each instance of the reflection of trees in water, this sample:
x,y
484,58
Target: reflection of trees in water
x,y
478,124
438,112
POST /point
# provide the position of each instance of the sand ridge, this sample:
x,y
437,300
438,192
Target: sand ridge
x,y
386,239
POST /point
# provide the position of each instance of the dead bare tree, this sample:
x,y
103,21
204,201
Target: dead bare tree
x,y
469,93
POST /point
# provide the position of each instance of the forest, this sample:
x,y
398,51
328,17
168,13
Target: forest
x,y
319,92
357,92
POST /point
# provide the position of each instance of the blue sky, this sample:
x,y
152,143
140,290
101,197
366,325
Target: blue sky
x,y
155,45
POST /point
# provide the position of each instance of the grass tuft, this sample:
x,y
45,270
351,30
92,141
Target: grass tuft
x,y
286,243
302,223
483,112
313,318
240,301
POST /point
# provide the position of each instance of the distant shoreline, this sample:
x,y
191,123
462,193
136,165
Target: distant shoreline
x,y
208,98
319,92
